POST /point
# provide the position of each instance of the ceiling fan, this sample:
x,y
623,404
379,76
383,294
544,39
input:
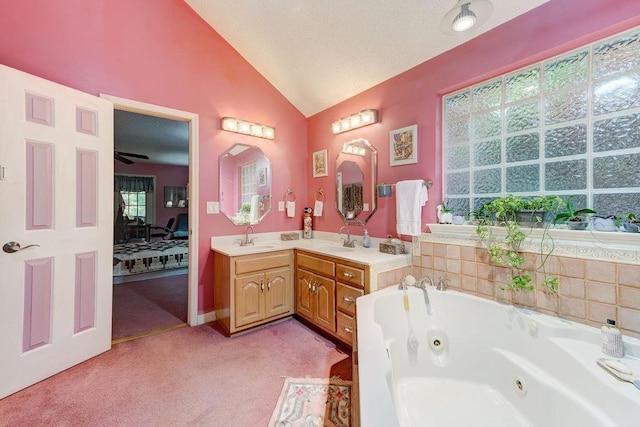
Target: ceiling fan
x,y
122,156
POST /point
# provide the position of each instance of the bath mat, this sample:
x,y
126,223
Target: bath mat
x,y
313,402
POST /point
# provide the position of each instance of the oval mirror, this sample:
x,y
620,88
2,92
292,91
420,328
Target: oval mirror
x,y
356,176
245,184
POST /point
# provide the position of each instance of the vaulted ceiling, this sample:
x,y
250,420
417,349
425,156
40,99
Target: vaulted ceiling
x,y
318,53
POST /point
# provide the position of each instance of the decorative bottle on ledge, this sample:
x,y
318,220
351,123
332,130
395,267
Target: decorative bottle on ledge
x,y
307,232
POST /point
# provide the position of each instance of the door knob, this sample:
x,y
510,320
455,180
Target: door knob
x,y
11,247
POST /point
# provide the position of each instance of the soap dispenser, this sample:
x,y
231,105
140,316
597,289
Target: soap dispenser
x,y
366,240
612,340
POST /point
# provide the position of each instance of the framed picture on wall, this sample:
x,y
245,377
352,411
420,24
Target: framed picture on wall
x,y
320,164
262,177
403,146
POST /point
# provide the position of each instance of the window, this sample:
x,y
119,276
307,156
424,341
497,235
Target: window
x,y
249,183
135,205
568,126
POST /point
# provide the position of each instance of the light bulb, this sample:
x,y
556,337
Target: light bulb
x,y
464,20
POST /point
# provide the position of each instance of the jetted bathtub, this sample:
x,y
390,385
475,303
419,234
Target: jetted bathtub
x,y
477,362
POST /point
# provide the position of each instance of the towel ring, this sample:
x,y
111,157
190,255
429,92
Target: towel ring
x,y
320,196
286,195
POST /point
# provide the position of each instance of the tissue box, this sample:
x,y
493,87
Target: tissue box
x,y
289,236
392,248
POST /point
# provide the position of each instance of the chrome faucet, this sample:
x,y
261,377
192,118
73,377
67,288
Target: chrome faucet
x,y
440,286
348,243
420,285
246,240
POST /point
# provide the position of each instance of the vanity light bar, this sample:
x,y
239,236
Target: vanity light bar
x,y
354,121
350,148
244,127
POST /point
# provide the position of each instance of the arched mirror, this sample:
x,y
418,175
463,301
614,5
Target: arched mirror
x,y
245,184
356,175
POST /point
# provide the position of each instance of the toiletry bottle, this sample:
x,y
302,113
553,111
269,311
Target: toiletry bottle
x,y
612,340
366,240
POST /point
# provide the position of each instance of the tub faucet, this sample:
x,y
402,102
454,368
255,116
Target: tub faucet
x,y
440,286
246,241
423,287
348,243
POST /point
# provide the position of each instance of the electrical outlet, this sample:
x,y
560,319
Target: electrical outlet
x,y
281,206
365,207
213,208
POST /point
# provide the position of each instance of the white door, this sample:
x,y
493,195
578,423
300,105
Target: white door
x,y
56,193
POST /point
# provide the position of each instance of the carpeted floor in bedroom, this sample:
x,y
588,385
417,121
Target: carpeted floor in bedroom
x,y
187,376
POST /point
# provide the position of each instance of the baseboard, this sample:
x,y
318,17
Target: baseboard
x,y
206,317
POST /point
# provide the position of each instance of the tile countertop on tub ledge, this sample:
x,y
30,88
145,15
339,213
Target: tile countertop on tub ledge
x,y
323,243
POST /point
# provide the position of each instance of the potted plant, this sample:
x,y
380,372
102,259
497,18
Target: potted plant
x,y
445,213
506,252
631,223
533,212
576,220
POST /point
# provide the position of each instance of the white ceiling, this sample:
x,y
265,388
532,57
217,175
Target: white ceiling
x,y
318,53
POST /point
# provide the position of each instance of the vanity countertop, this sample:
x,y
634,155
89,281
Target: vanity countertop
x,y
368,256
323,243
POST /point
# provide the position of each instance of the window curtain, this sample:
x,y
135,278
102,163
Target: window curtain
x,y
134,183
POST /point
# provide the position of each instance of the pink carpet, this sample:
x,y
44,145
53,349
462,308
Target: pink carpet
x,y
143,306
187,376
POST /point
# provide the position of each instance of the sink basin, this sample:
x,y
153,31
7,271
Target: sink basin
x,y
335,249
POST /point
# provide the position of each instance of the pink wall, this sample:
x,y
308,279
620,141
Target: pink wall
x,y
414,97
161,52
166,175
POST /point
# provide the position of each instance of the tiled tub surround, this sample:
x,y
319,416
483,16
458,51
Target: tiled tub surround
x,y
479,362
598,272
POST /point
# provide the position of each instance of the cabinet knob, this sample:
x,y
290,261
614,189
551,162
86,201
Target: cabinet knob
x,y
262,285
349,275
269,284
348,299
313,287
348,330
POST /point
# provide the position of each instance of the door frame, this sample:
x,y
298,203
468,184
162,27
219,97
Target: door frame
x,y
192,119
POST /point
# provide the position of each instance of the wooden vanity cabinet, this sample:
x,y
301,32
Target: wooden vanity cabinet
x,y
251,290
326,291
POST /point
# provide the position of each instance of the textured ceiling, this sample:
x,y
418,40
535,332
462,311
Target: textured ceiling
x,y
318,53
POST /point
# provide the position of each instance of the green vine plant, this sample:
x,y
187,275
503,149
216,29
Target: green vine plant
x,y
507,252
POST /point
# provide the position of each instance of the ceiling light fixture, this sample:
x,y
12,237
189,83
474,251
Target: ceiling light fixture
x,y
354,121
466,14
244,127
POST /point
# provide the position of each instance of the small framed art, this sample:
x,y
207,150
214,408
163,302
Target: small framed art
x,y
403,146
262,177
320,164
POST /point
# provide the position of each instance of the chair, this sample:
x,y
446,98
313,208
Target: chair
x,y
182,227
165,230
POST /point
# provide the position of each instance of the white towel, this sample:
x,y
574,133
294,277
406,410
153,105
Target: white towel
x,y
411,196
254,213
317,209
291,209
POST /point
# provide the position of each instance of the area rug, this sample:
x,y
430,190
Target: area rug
x,y
313,402
145,257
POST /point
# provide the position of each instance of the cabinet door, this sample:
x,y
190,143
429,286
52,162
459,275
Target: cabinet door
x,y
278,294
304,294
249,294
325,303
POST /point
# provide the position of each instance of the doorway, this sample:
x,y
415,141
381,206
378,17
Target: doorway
x,y
192,192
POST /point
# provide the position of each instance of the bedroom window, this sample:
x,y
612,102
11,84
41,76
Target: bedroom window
x,y
568,126
135,205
